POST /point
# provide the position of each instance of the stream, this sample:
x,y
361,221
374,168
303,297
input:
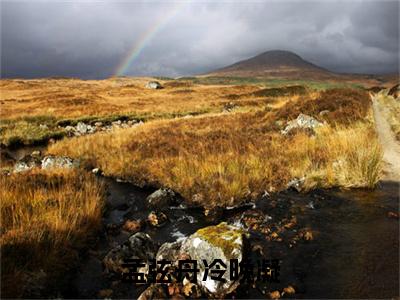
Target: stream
x,y
353,252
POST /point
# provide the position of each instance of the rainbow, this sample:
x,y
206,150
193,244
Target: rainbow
x,y
146,37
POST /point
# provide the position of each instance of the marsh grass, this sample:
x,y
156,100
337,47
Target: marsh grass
x,y
47,217
222,160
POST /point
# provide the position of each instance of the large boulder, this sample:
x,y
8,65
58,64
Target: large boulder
x,y
304,122
223,242
138,246
51,161
153,85
161,198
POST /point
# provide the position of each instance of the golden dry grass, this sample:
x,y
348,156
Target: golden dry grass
x,y
225,159
73,98
392,107
46,218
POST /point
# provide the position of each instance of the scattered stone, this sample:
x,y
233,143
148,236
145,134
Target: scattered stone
x,y
302,122
223,242
138,246
22,166
27,163
132,226
50,161
157,219
43,126
96,171
82,128
35,153
70,128
154,291
289,290
296,184
153,85
274,295
107,293
98,124
161,198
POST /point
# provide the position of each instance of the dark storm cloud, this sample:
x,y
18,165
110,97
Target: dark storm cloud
x,y
90,39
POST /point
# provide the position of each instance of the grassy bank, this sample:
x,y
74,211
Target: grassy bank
x,y
392,106
47,217
224,159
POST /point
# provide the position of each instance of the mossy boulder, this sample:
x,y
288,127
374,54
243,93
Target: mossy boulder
x,y
223,242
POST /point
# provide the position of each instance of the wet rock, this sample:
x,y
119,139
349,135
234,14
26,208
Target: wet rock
x,y
274,295
289,290
153,85
223,242
138,246
161,198
157,219
132,226
51,161
302,122
170,251
154,291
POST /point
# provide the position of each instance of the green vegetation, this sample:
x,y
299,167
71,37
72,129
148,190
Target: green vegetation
x,y
316,85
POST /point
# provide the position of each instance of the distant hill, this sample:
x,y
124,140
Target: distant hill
x,y
276,63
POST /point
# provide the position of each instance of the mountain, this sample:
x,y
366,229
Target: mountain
x,y
275,63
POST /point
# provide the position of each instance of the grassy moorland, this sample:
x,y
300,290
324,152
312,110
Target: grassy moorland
x,y
47,217
32,110
224,159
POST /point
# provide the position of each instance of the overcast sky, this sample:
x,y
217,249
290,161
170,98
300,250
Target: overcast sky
x,y
91,39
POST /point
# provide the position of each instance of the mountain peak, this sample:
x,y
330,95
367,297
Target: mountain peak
x,y
274,63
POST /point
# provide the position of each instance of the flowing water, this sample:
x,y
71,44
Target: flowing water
x,y
354,254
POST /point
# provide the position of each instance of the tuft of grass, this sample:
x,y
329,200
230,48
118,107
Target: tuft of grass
x,y
47,217
28,131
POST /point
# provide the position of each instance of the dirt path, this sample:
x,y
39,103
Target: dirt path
x,y
391,147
